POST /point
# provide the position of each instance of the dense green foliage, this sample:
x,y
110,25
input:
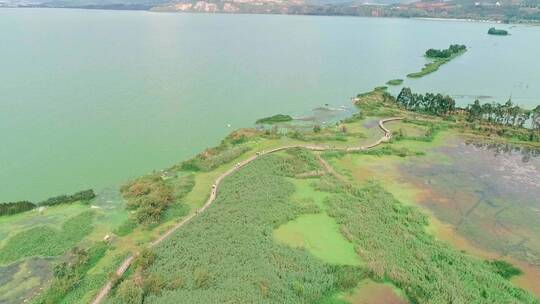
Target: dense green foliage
x,y
507,115
274,119
21,206
83,196
228,255
16,207
505,269
151,195
435,104
147,197
510,116
394,82
446,53
494,31
427,270
47,241
439,57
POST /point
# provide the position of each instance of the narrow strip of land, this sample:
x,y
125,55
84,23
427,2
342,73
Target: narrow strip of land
x,y
215,187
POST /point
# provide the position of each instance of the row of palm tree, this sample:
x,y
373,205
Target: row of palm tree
x,y
436,104
508,114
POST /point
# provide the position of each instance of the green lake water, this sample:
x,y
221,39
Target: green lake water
x,y
91,98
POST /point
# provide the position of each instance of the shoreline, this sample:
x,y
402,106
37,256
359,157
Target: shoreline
x,y
156,9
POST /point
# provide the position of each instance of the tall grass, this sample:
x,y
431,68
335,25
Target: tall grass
x,y
228,255
391,238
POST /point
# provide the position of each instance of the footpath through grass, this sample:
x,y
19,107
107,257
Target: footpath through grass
x,y
228,254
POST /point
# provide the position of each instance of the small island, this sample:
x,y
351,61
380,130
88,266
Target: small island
x,y
498,32
439,57
274,119
394,82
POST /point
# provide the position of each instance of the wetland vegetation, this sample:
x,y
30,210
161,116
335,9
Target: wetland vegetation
x,y
394,82
295,226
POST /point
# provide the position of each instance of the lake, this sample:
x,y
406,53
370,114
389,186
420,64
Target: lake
x,y
92,98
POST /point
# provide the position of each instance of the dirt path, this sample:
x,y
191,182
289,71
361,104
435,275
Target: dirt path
x,y
213,194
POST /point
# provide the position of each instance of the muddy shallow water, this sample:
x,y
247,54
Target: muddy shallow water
x,y
490,194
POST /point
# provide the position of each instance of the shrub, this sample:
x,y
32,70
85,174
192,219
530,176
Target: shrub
x,y
130,293
148,196
126,227
504,269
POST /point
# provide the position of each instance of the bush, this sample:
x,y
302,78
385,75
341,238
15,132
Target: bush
x,y
126,227
130,293
504,269
148,196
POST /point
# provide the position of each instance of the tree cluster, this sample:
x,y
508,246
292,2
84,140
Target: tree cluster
x,y
435,104
16,207
508,114
22,206
148,197
446,53
84,195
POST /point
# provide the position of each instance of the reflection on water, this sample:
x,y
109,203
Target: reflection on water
x,y
489,193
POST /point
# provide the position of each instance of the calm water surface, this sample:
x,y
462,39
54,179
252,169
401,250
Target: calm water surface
x,y
92,98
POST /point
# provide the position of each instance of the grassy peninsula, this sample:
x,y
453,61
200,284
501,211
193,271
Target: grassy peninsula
x,y
306,216
438,58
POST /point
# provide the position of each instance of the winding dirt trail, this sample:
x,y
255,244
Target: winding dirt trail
x,y
213,194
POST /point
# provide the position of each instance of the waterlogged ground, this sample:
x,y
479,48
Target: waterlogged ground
x,y
27,260
370,292
484,199
490,194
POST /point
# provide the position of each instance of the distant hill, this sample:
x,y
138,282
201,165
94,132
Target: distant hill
x,y
494,10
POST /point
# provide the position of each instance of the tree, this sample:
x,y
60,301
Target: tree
x,y
535,118
474,111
